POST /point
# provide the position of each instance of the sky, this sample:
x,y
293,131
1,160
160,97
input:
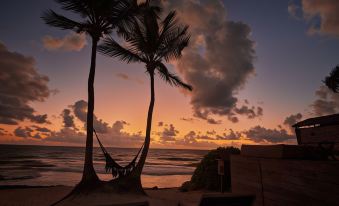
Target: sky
x,y
256,68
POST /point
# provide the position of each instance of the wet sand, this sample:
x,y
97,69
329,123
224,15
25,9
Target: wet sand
x,y
43,196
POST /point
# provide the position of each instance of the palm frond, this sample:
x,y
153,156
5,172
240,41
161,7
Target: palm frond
x,y
168,25
170,78
174,47
126,12
78,6
99,16
147,6
332,81
111,48
109,10
151,27
141,29
173,38
138,40
53,19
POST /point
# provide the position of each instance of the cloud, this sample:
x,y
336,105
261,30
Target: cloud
x,y
205,116
3,132
230,136
218,61
66,135
37,136
263,135
327,102
21,84
168,134
24,132
211,132
116,135
70,42
41,129
160,124
123,76
187,119
213,121
294,10
113,135
67,118
80,111
191,140
41,119
118,126
292,119
249,112
127,77
322,16
208,136
35,132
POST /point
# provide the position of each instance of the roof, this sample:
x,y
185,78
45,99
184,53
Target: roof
x,y
322,121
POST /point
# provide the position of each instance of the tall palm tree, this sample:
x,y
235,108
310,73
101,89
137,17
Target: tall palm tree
x,y
332,81
97,18
150,41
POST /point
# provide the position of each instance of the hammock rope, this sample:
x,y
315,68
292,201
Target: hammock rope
x,y
111,165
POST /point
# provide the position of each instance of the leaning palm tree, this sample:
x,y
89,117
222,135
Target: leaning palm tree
x,y
97,18
332,81
150,41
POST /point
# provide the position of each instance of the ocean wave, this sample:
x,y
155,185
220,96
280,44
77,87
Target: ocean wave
x,y
192,164
195,164
167,173
104,159
178,159
23,157
26,163
23,174
26,177
40,165
63,169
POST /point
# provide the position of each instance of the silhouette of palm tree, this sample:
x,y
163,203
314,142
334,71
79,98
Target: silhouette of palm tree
x,y
332,81
150,41
98,18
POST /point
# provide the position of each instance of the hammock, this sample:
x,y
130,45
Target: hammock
x,y
113,166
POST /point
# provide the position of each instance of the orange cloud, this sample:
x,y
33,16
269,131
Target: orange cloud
x,y
322,15
70,42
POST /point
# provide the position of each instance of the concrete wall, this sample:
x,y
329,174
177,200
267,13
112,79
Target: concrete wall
x,y
284,182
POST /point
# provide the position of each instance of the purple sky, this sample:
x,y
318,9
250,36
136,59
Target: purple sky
x,y
253,64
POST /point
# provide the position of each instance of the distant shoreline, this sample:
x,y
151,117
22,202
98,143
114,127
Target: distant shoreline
x,y
32,145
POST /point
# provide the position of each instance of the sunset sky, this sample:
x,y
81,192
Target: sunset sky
x,y
256,68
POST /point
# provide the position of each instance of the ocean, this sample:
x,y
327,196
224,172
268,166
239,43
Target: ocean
x,y
56,165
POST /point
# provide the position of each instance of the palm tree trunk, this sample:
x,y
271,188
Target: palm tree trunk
x,y
143,155
89,175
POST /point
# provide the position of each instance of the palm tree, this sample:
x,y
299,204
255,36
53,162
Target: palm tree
x,y
150,41
98,18
332,81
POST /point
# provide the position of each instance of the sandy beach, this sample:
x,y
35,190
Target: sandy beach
x,y
43,196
